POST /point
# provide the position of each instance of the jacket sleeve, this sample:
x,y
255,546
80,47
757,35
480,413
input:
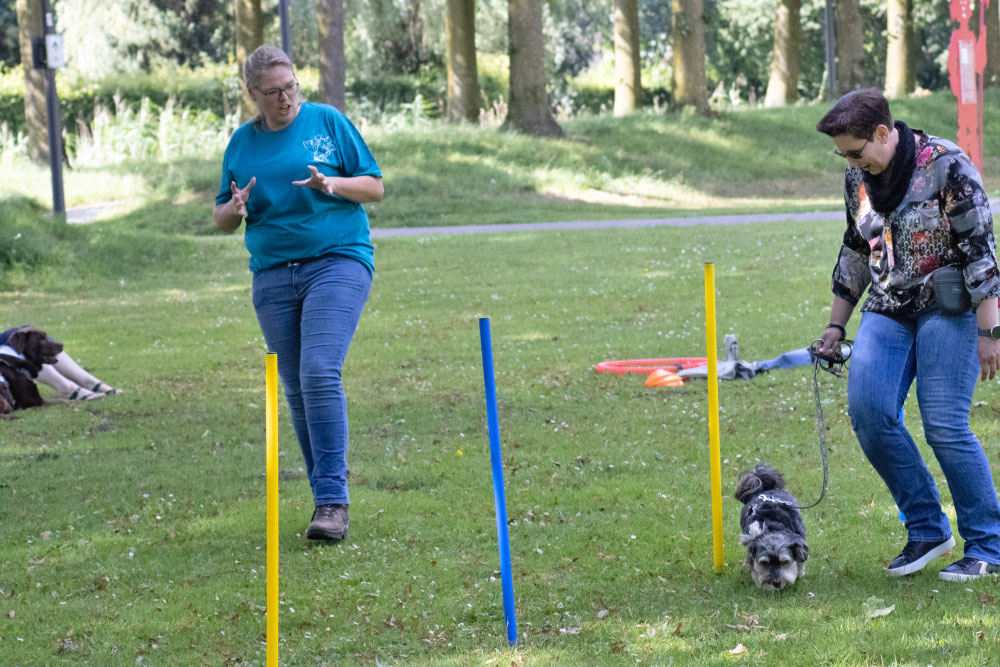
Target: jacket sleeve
x,y
851,274
968,212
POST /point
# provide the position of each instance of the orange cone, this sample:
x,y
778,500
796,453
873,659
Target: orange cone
x,y
664,378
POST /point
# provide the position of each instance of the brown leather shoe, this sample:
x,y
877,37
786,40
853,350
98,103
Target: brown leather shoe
x,y
329,522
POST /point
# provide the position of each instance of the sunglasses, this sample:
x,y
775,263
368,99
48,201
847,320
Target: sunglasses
x,y
852,155
272,94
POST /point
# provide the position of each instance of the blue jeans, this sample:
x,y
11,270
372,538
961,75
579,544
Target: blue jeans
x,y
308,314
941,352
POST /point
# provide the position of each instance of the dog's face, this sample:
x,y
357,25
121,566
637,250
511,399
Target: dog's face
x,y
775,558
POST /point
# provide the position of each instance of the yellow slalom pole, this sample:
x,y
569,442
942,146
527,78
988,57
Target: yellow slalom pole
x,y
271,431
715,465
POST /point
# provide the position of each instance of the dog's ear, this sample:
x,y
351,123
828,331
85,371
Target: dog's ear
x,y
800,550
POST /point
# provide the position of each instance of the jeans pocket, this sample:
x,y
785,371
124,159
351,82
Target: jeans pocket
x,y
264,288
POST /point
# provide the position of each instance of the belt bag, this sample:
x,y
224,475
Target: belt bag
x,y
949,291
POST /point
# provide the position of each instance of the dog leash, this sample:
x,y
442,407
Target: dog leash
x,y
833,364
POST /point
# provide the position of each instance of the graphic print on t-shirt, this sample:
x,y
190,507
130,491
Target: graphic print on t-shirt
x,y
321,146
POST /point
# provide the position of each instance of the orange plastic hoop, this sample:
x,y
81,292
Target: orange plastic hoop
x,y
647,366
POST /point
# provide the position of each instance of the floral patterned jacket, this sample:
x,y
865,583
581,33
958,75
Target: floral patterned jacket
x,y
944,219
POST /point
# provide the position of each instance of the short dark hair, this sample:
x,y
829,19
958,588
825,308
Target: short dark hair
x,y
857,113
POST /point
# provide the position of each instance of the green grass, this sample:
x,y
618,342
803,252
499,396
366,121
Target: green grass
x,y
134,526
647,165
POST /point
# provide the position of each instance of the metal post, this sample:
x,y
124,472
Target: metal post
x,y
286,31
830,37
54,120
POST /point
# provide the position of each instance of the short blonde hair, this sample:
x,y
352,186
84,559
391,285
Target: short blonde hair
x,y
263,58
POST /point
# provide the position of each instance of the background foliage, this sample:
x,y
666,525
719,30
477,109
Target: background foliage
x,y
386,38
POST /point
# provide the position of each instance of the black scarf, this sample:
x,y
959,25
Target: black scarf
x,y
886,190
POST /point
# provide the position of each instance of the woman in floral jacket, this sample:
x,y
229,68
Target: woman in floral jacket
x,y
916,210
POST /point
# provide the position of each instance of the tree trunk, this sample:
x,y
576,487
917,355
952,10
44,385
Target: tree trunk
x,y
687,37
783,83
529,110
991,75
628,79
29,22
900,74
850,45
249,35
463,81
332,64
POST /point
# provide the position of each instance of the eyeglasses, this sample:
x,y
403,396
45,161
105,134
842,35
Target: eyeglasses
x,y
273,94
855,154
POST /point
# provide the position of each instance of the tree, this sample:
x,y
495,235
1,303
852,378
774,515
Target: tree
x,y
397,31
29,21
529,110
9,46
249,35
850,45
463,83
332,64
688,40
103,38
900,75
783,83
628,68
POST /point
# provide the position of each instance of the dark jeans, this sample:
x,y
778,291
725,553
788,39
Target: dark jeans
x,y
308,314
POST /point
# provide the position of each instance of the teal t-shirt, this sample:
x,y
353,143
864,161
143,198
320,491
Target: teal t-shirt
x,y
285,222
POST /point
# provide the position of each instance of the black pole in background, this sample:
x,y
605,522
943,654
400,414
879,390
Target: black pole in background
x,y
286,32
831,49
54,118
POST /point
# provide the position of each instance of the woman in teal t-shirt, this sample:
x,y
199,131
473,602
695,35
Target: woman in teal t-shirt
x,y
299,173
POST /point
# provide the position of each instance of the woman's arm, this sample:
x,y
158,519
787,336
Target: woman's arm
x,y
226,219
229,215
987,317
840,313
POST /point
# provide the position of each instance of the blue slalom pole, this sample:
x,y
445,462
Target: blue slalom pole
x,y
496,459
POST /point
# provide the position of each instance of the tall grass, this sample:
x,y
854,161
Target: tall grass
x,y
122,135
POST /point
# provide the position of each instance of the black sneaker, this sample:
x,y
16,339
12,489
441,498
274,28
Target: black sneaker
x,y
916,555
329,522
968,568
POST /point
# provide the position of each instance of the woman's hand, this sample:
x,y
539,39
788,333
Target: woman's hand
x,y
317,181
829,342
240,197
989,357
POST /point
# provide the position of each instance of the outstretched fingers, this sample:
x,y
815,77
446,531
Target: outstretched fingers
x,y
315,179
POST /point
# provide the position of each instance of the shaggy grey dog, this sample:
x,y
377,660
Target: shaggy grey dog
x,y
773,534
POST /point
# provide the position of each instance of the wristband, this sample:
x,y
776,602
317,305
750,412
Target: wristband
x,y
843,332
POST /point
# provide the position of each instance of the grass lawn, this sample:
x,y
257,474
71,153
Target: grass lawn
x,y
134,526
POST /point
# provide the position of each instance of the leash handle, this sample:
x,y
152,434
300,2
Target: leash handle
x,y
831,363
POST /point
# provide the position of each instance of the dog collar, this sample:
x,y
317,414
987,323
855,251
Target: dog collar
x,y
769,499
